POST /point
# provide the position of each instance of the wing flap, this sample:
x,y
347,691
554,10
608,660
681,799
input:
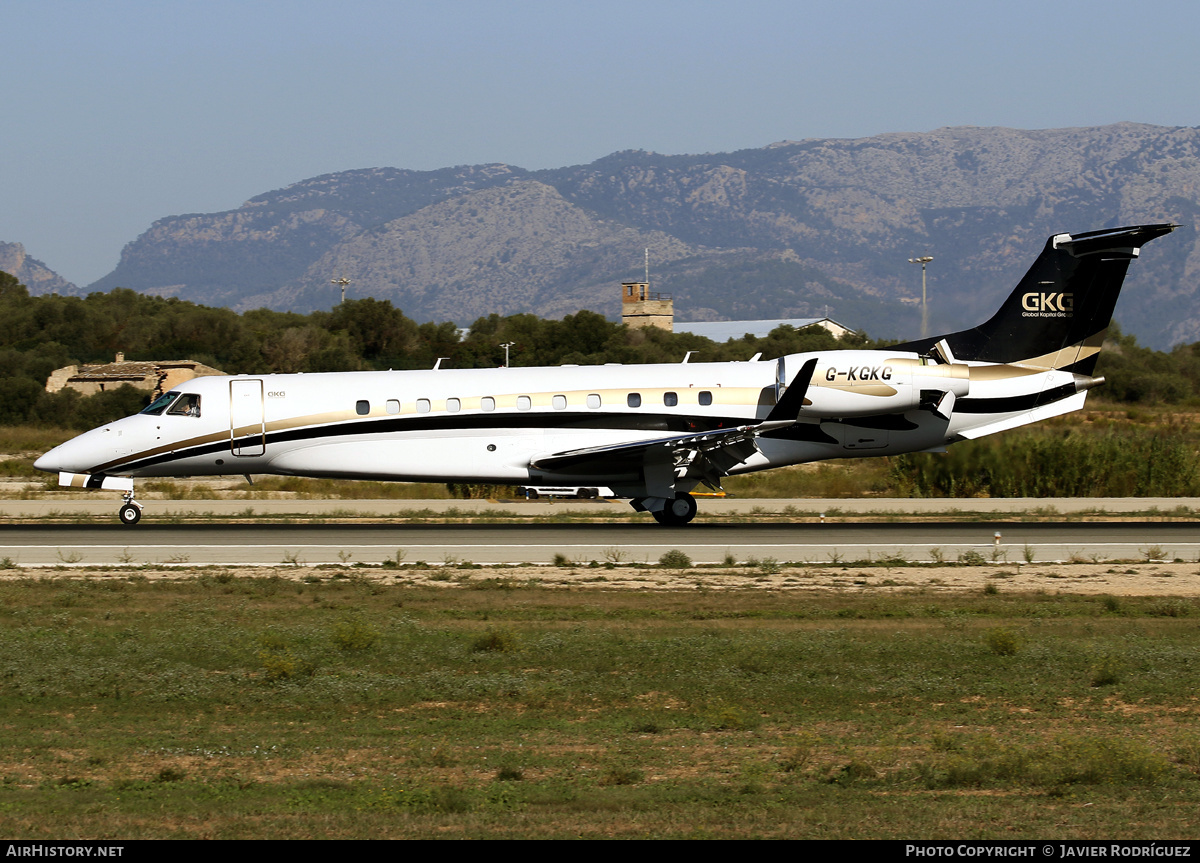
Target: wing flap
x,y
607,459
710,454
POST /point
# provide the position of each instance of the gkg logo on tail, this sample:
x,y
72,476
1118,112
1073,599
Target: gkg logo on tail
x,y
1053,305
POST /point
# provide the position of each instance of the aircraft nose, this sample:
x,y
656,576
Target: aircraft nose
x,y
75,456
50,461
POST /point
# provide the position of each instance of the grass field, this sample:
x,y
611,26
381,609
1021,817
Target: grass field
x,y
226,706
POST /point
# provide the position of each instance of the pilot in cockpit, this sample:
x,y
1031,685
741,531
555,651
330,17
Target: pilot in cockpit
x,y
188,405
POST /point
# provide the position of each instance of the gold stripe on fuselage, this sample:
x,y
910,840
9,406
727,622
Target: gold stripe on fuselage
x,y
743,397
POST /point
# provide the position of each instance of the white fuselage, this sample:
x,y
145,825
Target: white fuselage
x,y
493,425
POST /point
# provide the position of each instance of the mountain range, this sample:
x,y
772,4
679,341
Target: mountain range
x,y
35,275
794,229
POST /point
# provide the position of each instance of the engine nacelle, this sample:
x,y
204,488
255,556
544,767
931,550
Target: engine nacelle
x,y
862,383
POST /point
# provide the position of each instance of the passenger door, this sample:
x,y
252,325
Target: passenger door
x,y
247,432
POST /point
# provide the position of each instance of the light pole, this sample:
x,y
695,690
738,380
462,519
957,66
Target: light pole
x,y
343,281
923,261
506,346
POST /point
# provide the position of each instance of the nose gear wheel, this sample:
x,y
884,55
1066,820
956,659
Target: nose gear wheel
x,y
130,512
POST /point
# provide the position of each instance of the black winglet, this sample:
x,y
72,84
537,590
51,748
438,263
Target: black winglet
x,y
788,407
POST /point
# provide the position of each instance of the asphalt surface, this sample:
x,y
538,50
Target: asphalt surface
x,y
272,545
103,504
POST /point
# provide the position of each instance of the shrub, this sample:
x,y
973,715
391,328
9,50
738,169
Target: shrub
x,y
494,641
800,754
726,717
855,771
1002,641
1068,761
354,635
285,665
769,566
1097,761
1106,670
645,726
1051,462
675,559
614,555
621,776
1170,608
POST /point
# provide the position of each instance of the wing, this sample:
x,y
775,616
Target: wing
x,y
710,454
602,459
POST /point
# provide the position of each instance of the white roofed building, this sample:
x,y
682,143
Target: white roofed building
x,y
723,331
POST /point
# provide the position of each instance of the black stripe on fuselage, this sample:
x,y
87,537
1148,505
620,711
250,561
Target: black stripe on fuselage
x,y
1011,404
681,423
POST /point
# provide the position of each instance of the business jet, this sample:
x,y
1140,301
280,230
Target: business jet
x,y
650,433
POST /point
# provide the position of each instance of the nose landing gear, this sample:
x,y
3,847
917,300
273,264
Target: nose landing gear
x,y
130,512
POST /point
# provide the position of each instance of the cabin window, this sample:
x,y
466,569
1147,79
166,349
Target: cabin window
x,y
188,405
453,405
487,403
362,407
559,402
524,403
159,405
670,399
393,406
593,400
634,400
423,406
705,397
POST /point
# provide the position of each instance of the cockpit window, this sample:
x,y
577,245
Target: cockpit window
x,y
188,405
159,405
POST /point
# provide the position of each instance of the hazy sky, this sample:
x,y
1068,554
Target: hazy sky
x,y
119,113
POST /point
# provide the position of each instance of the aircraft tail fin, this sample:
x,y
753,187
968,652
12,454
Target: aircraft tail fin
x,y
1057,315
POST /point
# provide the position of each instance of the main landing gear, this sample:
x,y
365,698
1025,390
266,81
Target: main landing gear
x,y
130,512
677,512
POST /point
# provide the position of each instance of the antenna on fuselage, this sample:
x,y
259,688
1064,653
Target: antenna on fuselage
x,y
438,364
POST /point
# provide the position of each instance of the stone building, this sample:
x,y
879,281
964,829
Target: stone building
x,y
723,331
641,308
154,376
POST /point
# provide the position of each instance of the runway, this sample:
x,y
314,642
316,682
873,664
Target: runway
x,y
230,545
